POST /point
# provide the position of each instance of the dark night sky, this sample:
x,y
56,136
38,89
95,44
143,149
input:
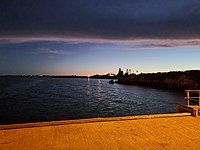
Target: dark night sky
x,y
82,25
101,18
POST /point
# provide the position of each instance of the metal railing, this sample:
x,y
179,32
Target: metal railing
x,y
192,97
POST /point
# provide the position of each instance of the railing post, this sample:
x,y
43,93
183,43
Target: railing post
x,y
188,98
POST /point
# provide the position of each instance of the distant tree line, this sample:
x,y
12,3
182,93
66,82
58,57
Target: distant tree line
x,y
128,72
177,79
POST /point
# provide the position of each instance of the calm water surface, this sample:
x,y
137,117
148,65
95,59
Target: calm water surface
x,y
42,99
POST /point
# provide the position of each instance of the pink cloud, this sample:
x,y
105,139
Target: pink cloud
x,y
132,44
53,52
152,44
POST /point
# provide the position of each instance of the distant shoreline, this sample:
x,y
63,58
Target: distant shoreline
x,y
44,76
189,79
67,76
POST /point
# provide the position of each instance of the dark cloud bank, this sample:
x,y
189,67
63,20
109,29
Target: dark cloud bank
x,y
109,19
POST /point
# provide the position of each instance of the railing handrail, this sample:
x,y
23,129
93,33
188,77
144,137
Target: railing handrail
x,y
193,90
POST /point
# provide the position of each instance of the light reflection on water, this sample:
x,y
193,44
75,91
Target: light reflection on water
x,y
42,99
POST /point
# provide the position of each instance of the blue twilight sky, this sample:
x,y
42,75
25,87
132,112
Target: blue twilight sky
x,y
68,37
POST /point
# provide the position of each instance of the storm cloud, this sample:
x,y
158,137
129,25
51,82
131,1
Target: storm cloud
x,y
103,19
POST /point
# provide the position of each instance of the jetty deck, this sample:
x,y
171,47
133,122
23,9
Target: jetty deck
x,y
168,131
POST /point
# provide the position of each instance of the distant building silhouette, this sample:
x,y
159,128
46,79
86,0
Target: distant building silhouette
x,y
120,72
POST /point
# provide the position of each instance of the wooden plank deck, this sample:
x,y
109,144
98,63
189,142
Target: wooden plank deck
x,y
172,132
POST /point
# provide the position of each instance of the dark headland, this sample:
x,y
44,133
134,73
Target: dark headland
x,y
177,79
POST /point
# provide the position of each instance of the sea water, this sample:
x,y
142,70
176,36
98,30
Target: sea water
x,y
31,99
